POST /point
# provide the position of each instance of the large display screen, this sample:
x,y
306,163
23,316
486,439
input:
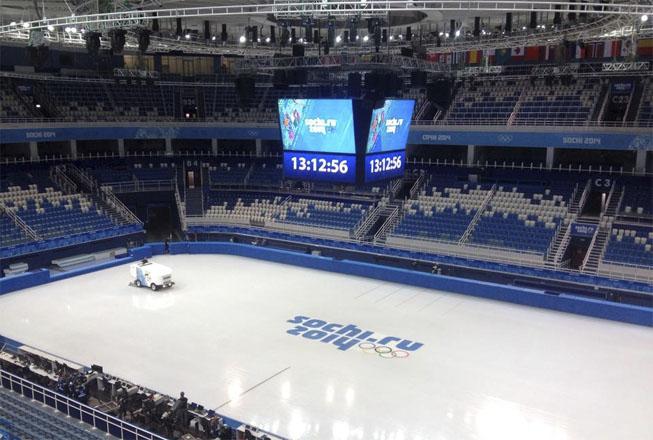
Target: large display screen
x,y
319,166
390,125
317,125
384,165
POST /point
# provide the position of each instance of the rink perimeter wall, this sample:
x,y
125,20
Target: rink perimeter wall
x,y
516,295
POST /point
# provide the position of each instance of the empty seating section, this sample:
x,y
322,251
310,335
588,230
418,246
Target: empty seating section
x,y
489,100
630,244
142,102
53,214
638,199
120,171
229,172
25,420
241,207
521,220
54,218
80,100
645,113
10,104
444,212
324,213
570,104
266,173
10,233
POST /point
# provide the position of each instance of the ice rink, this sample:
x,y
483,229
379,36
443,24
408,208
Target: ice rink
x,y
486,370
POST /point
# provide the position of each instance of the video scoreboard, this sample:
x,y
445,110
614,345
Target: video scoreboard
x,y
345,141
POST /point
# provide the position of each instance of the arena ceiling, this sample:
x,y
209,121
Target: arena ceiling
x,y
594,18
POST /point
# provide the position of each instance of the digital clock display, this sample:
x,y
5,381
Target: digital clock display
x,y
328,167
384,166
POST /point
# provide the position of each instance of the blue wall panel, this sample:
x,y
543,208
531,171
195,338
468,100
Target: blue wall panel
x,y
517,295
499,137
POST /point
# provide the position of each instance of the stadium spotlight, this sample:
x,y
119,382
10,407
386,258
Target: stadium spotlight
x,y
13,23
392,37
267,39
187,36
242,39
73,30
644,18
50,28
366,38
401,37
338,39
446,35
38,106
25,25
457,33
213,38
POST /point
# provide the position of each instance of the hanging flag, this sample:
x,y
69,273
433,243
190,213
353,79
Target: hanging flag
x,y
502,56
628,48
532,53
474,56
645,47
580,51
517,53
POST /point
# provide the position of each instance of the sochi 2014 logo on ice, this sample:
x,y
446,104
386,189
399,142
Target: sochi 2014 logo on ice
x,y
347,336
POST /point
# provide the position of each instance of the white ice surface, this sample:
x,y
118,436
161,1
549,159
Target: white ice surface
x,y
487,370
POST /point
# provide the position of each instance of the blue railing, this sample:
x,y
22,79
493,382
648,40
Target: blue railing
x,y
97,419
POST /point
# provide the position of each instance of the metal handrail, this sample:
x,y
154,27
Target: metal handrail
x,y
115,426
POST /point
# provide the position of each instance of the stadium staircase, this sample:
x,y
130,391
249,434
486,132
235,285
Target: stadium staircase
x,y
70,174
600,240
558,249
194,203
635,102
472,224
601,103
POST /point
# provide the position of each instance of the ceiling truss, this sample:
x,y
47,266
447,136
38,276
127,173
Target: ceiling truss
x,y
333,8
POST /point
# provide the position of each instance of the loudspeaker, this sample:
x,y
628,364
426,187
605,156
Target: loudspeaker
x,y
354,85
533,23
353,32
316,36
293,36
179,29
439,92
117,37
409,33
143,40
254,34
298,50
207,30
452,28
557,17
477,26
285,36
92,42
273,34
384,36
155,24
508,27
223,34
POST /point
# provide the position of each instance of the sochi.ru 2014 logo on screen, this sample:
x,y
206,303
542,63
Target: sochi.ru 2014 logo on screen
x,y
347,336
